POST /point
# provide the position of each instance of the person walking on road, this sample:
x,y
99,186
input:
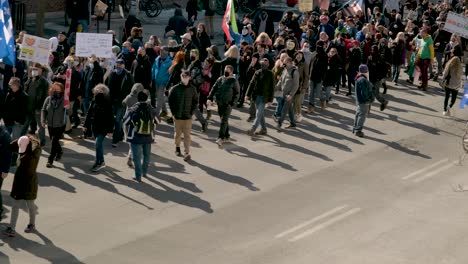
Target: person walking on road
x,y
54,116
183,100
452,76
128,103
289,83
226,90
260,91
25,183
364,97
140,122
425,57
100,122
5,160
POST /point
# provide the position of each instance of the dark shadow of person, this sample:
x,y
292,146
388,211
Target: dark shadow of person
x,y
48,251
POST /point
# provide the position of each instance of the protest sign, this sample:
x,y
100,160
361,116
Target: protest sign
x,y
88,44
457,24
35,49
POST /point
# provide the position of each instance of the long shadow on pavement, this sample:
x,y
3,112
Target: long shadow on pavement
x,y
399,147
47,251
225,176
46,180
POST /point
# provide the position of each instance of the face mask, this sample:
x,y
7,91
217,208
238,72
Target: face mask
x,y
226,74
35,73
75,63
56,94
118,70
192,58
185,81
151,41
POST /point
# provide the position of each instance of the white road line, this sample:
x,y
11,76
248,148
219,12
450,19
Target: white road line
x,y
311,221
416,173
433,173
325,224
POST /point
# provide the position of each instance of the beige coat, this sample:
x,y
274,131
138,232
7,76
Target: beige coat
x,y
453,68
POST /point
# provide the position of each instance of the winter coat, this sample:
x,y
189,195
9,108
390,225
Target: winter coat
x,y
363,90
15,108
226,91
25,183
289,81
141,71
318,67
378,68
196,70
53,112
132,136
120,86
160,71
303,69
453,70
332,75
397,52
183,100
262,84
100,117
178,23
91,78
5,150
36,88
175,75
205,43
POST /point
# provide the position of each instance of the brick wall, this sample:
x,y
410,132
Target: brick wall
x,y
59,5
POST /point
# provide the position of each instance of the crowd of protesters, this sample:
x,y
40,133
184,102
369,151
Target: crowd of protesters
x,y
294,66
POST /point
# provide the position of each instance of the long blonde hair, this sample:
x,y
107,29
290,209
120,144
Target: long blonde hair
x,y
232,52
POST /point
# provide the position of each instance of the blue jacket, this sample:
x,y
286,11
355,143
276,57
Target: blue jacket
x,y
5,151
364,92
238,38
160,73
327,28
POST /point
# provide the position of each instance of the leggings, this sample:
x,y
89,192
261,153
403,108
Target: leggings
x,y
448,93
32,209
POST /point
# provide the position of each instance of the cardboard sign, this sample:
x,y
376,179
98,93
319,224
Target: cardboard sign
x,y
88,44
457,24
35,49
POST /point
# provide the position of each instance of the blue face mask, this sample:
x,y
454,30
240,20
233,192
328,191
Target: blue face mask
x,y
118,70
125,51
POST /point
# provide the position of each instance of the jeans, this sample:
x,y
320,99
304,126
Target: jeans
x,y
224,113
86,104
287,110
448,93
279,106
183,127
100,148
32,210
15,132
314,92
260,115
118,124
199,115
361,113
141,168
74,118
440,67
326,92
55,134
376,89
160,99
424,66
395,72
252,110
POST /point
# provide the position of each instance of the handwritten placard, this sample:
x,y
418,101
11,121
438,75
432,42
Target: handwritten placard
x,y
88,44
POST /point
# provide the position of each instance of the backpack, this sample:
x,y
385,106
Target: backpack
x,y
142,121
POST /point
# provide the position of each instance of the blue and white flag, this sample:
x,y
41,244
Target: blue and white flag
x,y
464,100
7,41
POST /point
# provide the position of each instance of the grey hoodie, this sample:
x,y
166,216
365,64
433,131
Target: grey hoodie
x,y
132,98
289,84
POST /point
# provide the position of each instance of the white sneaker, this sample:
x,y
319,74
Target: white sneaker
x,y
299,118
445,113
220,141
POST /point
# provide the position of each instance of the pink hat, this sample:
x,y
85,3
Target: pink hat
x,y
23,143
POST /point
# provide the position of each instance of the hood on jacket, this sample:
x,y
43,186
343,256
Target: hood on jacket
x,y
137,87
178,12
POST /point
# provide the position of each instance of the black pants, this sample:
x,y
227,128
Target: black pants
x,y
74,118
448,93
224,112
55,134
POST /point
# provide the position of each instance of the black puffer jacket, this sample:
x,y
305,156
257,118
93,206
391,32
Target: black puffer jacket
x,y
100,117
141,71
183,100
225,90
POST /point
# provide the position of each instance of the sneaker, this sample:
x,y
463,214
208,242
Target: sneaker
x,y
250,119
187,157
360,134
96,167
219,141
291,126
178,152
383,105
299,118
9,232
49,165
445,113
348,94
262,132
250,132
136,179
30,228
130,163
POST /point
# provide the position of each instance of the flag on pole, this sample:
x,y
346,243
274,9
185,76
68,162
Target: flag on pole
x,y
229,16
464,100
7,42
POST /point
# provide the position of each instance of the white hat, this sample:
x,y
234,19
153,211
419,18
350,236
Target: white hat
x,y
23,143
186,36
